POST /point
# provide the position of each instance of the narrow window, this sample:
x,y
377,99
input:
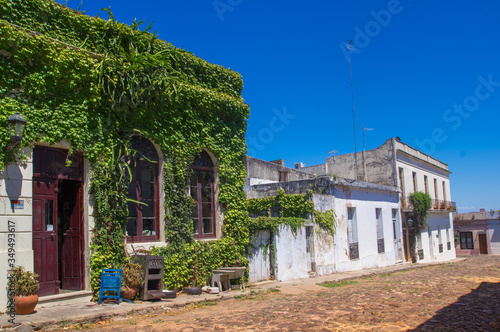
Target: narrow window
x,y
352,233
202,191
466,240
420,251
436,189
444,191
426,184
395,223
440,239
49,215
143,217
380,231
414,176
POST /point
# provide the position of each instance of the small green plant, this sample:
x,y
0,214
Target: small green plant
x,y
206,303
341,283
25,281
421,204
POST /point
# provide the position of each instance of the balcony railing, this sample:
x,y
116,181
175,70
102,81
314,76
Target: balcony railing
x,y
436,205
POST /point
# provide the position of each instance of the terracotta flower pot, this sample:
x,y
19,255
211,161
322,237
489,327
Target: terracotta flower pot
x,y
128,293
25,304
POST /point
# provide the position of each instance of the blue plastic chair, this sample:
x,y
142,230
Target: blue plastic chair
x,y
111,282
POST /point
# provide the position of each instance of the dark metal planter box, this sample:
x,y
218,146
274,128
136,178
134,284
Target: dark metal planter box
x,y
153,276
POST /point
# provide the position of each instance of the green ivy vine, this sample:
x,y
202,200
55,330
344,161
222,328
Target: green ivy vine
x,y
96,83
293,210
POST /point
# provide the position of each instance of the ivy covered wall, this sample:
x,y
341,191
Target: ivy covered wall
x,y
96,83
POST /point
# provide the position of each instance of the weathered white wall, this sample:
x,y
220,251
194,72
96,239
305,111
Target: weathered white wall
x,y
430,239
331,254
291,259
259,266
15,183
365,201
324,246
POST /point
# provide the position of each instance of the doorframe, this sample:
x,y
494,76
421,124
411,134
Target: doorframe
x,y
84,208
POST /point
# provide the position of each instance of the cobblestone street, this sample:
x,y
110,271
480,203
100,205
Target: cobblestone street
x,y
463,296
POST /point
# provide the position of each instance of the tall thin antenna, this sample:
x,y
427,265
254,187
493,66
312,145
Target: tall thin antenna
x,y
349,46
364,160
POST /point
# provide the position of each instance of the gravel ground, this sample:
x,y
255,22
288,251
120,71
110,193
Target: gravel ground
x,y
462,296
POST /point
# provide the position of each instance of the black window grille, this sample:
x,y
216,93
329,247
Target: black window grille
x,y
354,250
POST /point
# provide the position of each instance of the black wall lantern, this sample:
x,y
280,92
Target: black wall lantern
x,y
17,124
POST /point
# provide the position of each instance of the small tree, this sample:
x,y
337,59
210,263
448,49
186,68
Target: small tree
x,y
421,204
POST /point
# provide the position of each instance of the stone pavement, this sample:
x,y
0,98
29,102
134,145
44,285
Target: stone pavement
x,y
83,310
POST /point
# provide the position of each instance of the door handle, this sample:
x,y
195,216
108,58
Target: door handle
x,y
52,236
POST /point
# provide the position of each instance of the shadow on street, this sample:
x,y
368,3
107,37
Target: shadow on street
x,y
477,311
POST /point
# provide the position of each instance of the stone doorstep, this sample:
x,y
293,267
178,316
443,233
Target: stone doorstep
x,y
63,296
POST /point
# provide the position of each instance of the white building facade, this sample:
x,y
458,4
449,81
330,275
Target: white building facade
x,y
397,164
368,227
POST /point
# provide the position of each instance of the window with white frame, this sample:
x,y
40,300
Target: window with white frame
x,y
395,223
380,230
352,233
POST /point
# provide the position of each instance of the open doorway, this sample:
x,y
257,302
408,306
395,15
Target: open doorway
x,y
57,220
68,234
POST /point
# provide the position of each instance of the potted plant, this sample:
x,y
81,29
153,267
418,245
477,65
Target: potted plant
x,y
132,280
26,289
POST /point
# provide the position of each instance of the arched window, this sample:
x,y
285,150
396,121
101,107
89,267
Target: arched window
x,y
143,217
202,190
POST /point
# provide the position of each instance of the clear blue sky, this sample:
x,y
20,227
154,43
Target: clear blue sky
x,y
426,71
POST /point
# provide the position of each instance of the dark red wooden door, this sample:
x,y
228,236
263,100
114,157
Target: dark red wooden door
x,y
71,223
483,245
45,234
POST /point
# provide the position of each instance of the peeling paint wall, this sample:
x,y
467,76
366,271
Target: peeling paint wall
x,y
378,161
291,259
331,253
259,266
365,201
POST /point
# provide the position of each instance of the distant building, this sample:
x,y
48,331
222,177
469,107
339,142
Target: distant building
x,y
369,232
395,163
477,233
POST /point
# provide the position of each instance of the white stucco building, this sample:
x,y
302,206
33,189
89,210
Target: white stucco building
x,y
397,164
368,234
